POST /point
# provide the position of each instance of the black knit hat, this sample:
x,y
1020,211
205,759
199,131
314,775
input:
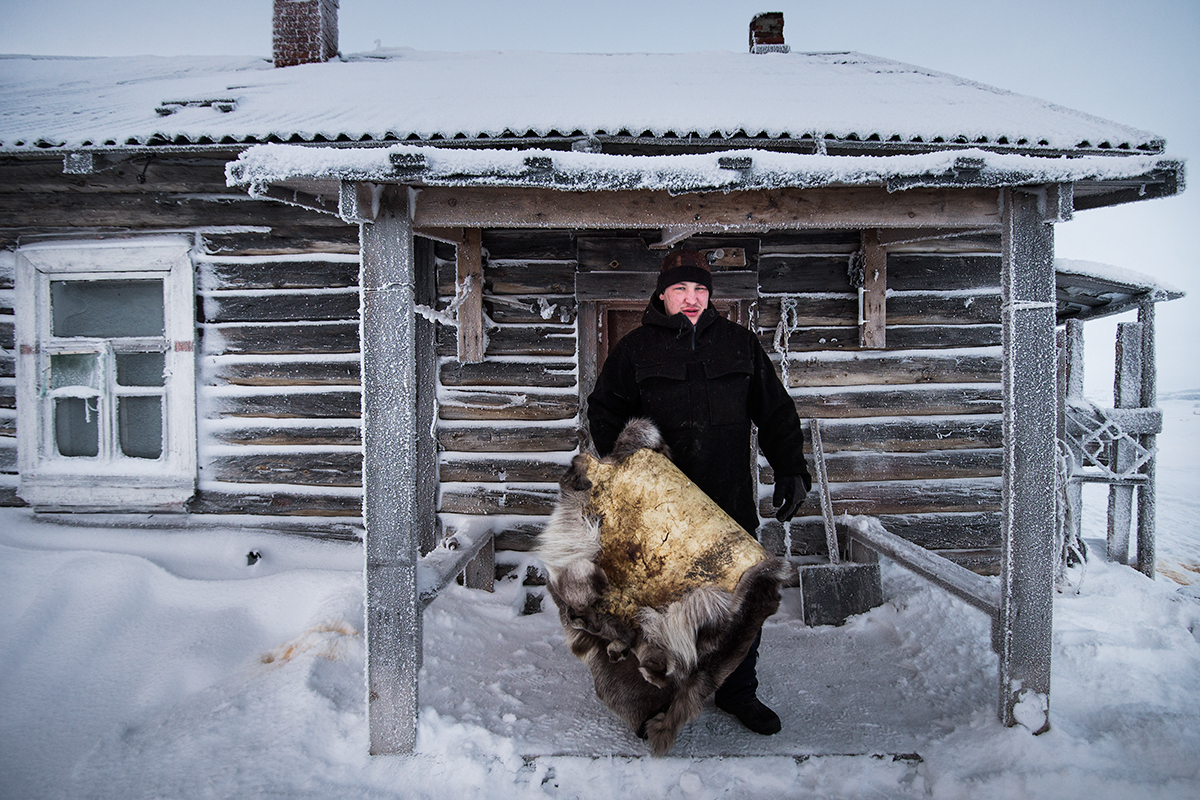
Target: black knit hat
x,y
684,265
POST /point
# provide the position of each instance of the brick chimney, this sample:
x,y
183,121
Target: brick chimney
x,y
766,33
304,32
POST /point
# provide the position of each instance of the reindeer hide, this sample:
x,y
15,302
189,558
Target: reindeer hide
x,y
660,591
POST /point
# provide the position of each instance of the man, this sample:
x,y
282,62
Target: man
x,y
704,381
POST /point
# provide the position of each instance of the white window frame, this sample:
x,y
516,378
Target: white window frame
x,y
108,481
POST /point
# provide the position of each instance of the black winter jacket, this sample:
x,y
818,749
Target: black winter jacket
x,y
702,387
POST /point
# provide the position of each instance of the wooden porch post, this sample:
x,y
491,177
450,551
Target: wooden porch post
x,y
397,515
1147,504
1028,518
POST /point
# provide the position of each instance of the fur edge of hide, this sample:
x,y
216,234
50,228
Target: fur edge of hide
x,y
656,679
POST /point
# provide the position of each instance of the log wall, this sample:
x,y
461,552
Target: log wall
x,y
278,394
278,399
507,426
912,431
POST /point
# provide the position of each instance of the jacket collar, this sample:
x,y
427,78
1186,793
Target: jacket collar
x,y
656,315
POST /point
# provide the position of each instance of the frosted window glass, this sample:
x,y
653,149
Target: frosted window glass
x,y
140,369
139,420
107,308
76,426
75,369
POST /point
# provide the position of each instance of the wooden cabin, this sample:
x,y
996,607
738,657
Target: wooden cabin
x,y
246,294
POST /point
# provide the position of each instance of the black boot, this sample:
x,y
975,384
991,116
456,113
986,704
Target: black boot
x,y
754,715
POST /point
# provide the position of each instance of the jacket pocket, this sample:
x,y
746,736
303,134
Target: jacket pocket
x,y
665,393
728,387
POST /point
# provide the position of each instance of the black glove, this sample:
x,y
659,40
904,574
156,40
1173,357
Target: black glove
x,y
789,494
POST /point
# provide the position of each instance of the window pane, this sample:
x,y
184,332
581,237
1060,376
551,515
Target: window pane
x,y
139,421
76,426
75,369
140,369
107,308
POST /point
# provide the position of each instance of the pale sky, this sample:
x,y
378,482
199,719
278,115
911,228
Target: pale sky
x,y
1134,63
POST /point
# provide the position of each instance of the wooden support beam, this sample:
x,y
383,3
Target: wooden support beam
x,y
468,292
1127,393
775,209
976,590
460,552
1147,505
872,321
397,447
1070,390
358,201
1027,496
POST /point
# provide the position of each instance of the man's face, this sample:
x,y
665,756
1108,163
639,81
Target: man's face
x,y
688,298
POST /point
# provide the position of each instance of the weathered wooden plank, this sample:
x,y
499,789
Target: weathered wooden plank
x,y
944,336
487,439
299,338
8,455
333,404
252,273
507,406
801,274
290,435
499,470
808,310
529,244
911,401
485,500
151,210
551,375
761,210
517,277
899,337
210,501
519,537
530,309
305,469
898,368
285,373
872,326
912,434
524,340
875,498
903,308
627,254
468,282
976,531
293,239
924,308
138,175
9,499
876,466
935,272
280,307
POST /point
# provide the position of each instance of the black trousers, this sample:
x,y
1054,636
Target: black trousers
x,y
742,684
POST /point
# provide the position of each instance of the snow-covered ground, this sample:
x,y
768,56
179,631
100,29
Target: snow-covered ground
x,y
138,663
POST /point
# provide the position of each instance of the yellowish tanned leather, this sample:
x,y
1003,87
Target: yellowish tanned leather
x,y
660,535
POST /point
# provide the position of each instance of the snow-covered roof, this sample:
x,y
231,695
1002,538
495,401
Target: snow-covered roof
x,y
1091,289
809,102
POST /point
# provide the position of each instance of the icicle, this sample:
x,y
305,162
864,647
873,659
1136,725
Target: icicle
x,y
788,324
